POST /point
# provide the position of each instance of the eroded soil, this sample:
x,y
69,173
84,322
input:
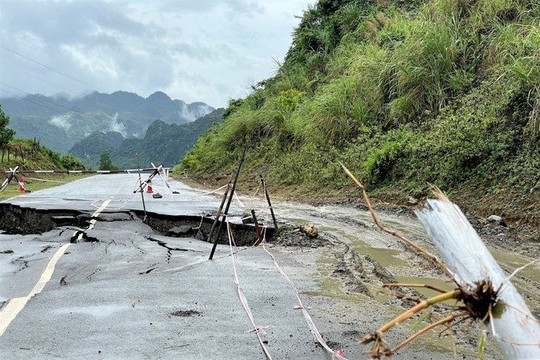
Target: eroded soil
x,y
351,259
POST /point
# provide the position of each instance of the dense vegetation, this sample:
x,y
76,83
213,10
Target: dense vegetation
x,y
29,154
6,134
406,94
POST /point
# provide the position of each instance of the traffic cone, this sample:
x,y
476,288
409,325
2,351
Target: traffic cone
x,y
21,185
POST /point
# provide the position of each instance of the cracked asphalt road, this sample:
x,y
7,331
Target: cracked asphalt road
x,y
126,291
129,292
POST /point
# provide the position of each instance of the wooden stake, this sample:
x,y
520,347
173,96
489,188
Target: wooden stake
x,y
226,212
141,187
269,203
257,229
218,214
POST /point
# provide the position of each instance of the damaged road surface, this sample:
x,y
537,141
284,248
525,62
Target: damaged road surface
x,y
120,289
82,276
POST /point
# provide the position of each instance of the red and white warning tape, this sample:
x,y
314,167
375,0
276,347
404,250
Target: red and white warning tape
x,y
256,329
336,354
129,171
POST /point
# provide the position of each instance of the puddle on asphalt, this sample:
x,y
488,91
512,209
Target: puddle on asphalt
x,y
386,257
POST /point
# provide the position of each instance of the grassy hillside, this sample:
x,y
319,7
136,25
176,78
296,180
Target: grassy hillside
x,y
29,155
406,94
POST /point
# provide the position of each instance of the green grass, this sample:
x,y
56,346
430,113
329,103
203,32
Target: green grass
x,y
428,92
37,158
35,185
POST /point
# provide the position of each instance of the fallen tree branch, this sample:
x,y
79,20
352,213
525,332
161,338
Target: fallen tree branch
x,y
420,332
427,286
485,291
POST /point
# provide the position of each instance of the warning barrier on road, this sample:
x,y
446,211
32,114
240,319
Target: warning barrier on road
x,y
21,185
125,171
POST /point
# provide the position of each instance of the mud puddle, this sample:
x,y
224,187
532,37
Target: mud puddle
x,y
380,258
354,227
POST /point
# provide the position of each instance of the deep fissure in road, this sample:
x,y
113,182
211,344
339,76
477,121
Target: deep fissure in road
x,y
20,220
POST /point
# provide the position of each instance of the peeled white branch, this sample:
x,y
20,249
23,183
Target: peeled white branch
x,y
516,329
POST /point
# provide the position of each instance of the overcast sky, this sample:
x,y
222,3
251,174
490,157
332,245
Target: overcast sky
x,y
193,50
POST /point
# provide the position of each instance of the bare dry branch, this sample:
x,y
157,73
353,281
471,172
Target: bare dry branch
x,y
427,286
422,251
445,320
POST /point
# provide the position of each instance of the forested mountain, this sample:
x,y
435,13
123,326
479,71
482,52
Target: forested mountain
x,y
163,143
404,93
59,122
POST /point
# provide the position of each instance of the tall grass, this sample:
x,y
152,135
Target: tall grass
x,y
443,91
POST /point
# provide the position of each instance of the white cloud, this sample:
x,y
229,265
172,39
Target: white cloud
x,y
194,50
114,125
61,121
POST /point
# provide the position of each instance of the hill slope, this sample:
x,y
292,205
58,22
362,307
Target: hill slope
x,y
406,94
163,143
28,154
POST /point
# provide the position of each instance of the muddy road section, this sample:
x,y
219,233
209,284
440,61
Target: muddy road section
x,y
128,289
351,259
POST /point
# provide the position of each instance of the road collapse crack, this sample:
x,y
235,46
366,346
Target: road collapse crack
x,y
46,248
15,219
63,281
186,313
82,235
148,271
91,275
23,264
164,244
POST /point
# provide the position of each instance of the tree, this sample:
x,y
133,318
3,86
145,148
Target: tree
x,y
105,162
6,134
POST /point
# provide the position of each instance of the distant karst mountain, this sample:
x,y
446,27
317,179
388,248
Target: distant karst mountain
x,y
163,143
59,122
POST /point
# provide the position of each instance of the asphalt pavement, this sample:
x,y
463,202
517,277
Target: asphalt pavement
x,y
132,293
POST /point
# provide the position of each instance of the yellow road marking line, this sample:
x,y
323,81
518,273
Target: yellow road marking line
x,y
14,307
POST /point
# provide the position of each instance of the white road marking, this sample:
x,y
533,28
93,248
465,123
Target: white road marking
x,y
15,305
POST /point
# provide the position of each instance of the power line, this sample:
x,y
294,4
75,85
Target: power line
x,y
45,66
36,76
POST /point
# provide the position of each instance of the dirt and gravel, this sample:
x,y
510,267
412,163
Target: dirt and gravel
x,y
350,259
